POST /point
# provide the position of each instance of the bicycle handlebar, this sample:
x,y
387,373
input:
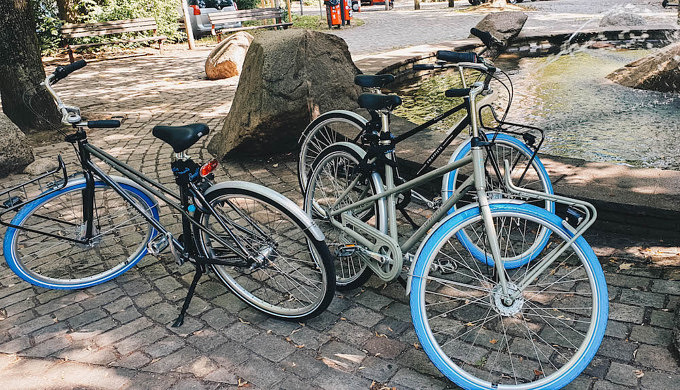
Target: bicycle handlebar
x,y
62,71
103,124
452,56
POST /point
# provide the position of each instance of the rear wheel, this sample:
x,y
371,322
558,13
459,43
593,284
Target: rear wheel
x,y
289,273
334,170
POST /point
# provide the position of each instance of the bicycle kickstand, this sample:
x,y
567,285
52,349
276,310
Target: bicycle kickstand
x,y
180,320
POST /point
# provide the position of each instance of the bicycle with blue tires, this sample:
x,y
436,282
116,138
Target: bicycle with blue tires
x,y
504,294
76,231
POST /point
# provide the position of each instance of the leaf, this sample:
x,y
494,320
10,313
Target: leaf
x,y
625,266
638,373
351,358
538,373
493,341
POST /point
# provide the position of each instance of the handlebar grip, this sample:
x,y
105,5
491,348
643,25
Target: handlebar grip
x,y
104,124
457,92
455,57
63,71
487,39
423,66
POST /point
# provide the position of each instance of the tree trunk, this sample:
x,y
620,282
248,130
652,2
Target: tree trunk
x,y
66,10
21,70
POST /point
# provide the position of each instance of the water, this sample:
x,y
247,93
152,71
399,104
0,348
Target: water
x,y
584,115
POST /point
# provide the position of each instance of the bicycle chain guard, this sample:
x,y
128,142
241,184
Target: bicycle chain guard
x,y
386,265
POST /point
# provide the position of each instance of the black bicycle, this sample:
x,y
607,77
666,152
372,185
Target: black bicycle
x,y
76,231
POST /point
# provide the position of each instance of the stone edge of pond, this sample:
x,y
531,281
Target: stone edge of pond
x,y
633,200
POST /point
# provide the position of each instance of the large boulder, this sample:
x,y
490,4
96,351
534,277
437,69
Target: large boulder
x,y
289,78
622,17
15,153
504,26
226,59
658,72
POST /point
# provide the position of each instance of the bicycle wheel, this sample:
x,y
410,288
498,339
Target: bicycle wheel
x,y
334,170
56,263
327,129
542,340
526,173
292,275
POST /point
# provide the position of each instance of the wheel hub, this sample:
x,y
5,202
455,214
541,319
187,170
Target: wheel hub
x,y
504,305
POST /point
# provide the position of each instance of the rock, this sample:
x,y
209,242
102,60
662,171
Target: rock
x,y
41,165
15,153
226,59
622,18
289,78
658,72
504,26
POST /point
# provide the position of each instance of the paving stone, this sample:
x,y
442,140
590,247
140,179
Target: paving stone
x,y
240,331
385,347
270,347
164,347
172,361
617,349
47,347
207,339
606,385
132,361
189,326
341,356
662,319
101,299
626,313
218,318
339,304
309,337
119,305
282,328
293,383
86,317
97,356
15,345
659,358
415,380
666,286
350,333
54,330
303,363
392,327
323,321
658,380
617,329
163,312
199,366
230,354
651,335
400,311
222,375
418,360
338,380
362,316
19,307
140,339
122,331
629,281
126,316
642,298
582,382
597,367
147,299
622,374
260,372
189,384
378,369
372,300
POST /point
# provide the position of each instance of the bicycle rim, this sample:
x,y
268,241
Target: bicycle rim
x,y
288,279
121,234
543,340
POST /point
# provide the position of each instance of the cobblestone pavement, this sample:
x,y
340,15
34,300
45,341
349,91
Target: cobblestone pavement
x,y
117,335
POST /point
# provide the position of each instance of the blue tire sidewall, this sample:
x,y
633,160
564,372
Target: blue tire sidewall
x,y
25,211
418,305
462,237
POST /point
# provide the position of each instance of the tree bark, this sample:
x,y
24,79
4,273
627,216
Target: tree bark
x,y
21,70
66,11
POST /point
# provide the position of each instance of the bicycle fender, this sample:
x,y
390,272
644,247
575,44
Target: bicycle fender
x,y
276,197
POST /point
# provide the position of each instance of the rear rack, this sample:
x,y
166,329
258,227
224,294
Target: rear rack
x,y
18,196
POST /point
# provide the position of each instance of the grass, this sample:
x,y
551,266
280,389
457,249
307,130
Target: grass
x,y
316,22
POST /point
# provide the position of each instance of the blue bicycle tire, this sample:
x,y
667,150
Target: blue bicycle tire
x,y
464,374
24,272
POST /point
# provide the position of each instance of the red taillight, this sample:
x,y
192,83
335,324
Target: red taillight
x,y
197,11
208,167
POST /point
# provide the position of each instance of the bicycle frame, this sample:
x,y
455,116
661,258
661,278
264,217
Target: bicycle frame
x,y
188,190
350,225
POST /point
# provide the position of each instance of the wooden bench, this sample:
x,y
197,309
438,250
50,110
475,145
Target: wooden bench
x,y
84,30
230,17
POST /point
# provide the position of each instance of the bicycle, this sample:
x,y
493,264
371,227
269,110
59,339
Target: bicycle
x,y
85,229
527,168
485,324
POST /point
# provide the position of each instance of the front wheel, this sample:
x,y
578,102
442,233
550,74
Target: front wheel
x,y
289,273
58,261
543,339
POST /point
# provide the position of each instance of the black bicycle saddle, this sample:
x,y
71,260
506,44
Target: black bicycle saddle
x,y
181,137
379,102
373,80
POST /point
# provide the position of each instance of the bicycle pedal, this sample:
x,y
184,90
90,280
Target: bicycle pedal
x,y
574,217
444,267
11,202
157,245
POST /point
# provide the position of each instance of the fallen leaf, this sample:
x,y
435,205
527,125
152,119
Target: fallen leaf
x,y
351,358
625,266
638,373
493,341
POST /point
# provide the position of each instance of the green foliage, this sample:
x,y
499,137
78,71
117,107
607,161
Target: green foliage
x,y
248,4
91,11
47,24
